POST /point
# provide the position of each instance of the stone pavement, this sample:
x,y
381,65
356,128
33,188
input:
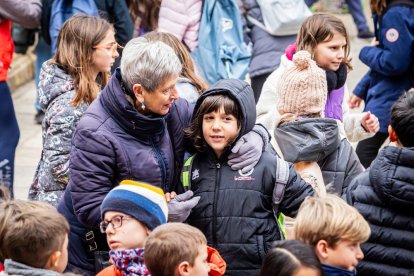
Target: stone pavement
x,y
30,145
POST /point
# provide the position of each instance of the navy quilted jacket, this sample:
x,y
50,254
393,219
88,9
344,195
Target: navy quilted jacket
x,y
384,195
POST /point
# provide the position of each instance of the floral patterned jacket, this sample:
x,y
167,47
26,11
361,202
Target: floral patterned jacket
x,y
56,91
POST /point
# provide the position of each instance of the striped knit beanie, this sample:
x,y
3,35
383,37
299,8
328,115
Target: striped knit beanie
x,y
302,88
144,202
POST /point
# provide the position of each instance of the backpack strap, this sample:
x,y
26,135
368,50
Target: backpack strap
x,y
281,180
282,177
186,173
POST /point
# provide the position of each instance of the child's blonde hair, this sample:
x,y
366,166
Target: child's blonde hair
x,y
319,28
30,232
74,54
169,245
331,219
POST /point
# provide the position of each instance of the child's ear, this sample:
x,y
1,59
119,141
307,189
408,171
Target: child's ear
x,y
392,134
53,260
321,250
183,269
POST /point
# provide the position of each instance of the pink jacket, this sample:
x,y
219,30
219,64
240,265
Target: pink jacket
x,y
181,18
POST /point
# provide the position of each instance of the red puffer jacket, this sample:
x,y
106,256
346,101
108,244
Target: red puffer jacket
x,y
6,49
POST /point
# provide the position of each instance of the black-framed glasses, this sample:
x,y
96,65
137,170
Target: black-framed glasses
x,y
116,222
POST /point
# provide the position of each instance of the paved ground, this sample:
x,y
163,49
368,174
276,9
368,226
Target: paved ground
x,y
30,144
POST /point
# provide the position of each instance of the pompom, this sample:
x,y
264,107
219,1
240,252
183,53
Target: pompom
x,y
302,59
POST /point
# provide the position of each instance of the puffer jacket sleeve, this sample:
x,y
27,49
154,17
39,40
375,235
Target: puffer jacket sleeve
x,y
61,119
181,18
24,12
391,57
296,191
92,171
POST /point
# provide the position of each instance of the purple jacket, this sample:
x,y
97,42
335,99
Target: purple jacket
x,y
114,142
333,107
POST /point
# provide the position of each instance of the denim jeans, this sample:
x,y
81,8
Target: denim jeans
x,y
9,137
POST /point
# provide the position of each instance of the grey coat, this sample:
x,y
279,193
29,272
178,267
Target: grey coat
x,y
14,268
56,91
318,140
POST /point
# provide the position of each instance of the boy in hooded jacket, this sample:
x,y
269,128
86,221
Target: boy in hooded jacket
x,y
236,209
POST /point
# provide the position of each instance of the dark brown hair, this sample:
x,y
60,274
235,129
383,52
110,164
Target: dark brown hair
x,y
184,56
210,104
149,18
30,231
74,54
319,28
402,118
378,6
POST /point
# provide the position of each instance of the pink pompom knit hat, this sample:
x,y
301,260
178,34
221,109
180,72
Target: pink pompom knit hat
x,y
302,88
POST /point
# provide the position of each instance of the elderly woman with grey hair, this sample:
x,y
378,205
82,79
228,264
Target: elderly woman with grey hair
x,y
133,130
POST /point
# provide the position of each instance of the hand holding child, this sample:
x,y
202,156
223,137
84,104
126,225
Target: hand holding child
x,y
370,123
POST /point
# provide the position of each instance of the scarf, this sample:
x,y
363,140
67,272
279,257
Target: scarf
x,y
130,262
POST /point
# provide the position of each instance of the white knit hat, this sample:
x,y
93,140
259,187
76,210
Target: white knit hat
x,y
302,88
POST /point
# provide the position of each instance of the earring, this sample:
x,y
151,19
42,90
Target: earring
x,y
143,105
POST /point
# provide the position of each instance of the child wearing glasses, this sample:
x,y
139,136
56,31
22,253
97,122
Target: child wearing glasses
x,y
130,212
69,82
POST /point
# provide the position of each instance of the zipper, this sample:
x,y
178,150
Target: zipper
x,y
216,188
160,160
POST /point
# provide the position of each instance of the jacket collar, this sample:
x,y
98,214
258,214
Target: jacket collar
x,y
15,268
146,128
307,139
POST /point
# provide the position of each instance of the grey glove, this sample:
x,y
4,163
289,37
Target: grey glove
x,y
248,149
180,206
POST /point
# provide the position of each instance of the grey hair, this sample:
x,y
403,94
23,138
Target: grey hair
x,y
148,63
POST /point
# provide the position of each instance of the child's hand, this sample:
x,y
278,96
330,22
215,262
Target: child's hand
x,y
169,196
370,123
354,101
374,42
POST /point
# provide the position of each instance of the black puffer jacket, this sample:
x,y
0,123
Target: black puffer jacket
x,y
384,195
235,209
319,140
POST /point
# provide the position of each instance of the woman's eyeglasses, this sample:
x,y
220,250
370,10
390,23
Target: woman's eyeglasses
x,y
116,222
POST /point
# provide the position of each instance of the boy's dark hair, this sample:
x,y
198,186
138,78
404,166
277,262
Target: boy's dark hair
x,y
287,257
30,231
211,104
402,119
